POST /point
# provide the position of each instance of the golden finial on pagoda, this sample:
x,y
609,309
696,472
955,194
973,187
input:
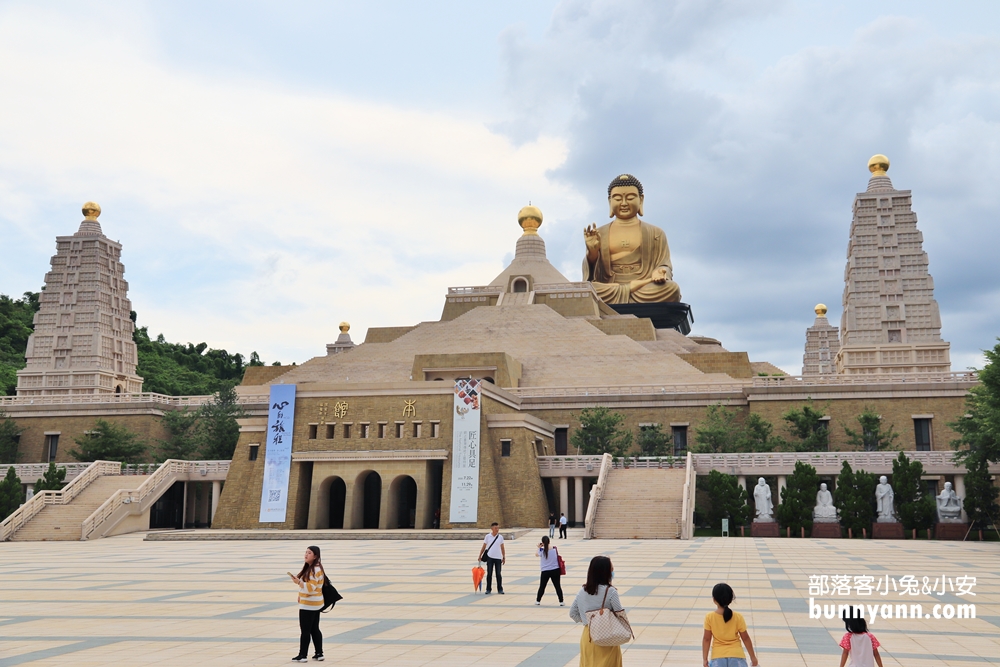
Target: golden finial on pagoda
x,y
91,210
345,327
530,219
820,310
878,165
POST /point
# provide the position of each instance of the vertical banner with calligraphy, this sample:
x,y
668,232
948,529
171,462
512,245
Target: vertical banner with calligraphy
x,y
465,453
277,454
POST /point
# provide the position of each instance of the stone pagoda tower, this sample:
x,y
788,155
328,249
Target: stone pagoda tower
x,y
822,345
82,342
891,322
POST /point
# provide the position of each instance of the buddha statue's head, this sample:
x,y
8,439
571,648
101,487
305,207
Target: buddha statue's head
x,y
883,480
822,487
625,197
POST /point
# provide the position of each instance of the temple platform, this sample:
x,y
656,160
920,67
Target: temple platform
x,y
826,530
769,529
209,534
887,531
675,316
950,531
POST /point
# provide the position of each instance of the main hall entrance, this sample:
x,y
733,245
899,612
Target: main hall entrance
x,y
384,495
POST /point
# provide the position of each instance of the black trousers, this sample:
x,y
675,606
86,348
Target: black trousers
x,y
554,576
309,626
562,529
490,564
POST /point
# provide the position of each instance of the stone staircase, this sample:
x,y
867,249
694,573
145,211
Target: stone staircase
x,y
63,522
641,503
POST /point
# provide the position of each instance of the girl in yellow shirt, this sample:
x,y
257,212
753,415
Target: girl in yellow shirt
x,y
310,580
723,630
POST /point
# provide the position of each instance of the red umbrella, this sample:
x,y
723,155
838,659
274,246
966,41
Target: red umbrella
x,y
477,577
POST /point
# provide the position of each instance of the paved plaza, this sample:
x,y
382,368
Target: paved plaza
x,y
123,601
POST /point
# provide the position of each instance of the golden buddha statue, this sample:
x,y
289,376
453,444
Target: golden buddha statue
x,y
628,260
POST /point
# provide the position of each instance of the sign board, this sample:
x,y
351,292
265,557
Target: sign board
x,y
277,454
465,453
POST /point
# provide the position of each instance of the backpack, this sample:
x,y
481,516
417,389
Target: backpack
x,y
330,594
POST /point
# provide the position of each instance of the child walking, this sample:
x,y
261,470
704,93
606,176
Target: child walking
x,y
723,630
859,644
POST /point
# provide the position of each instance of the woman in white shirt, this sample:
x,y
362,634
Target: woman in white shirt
x,y
548,560
595,594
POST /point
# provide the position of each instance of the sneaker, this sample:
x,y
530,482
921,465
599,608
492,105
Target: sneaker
x,y
300,658
319,657
562,604
538,603
500,592
489,592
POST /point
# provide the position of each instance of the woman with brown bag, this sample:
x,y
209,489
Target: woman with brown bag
x,y
598,599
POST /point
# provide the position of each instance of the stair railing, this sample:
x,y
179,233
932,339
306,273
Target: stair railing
x,y
165,475
687,505
64,496
607,461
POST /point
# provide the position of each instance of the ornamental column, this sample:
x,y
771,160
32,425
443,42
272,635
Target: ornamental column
x,y
216,490
578,489
564,496
960,492
781,485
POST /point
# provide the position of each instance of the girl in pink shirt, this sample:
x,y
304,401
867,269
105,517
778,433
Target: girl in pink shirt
x,y
859,644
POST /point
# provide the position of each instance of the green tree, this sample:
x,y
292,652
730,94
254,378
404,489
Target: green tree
x,y
870,437
182,437
728,500
11,494
217,431
798,498
980,494
854,497
10,439
53,479
915,509
653,441
979,430
809,426
601,432
16,324
722,431
109,442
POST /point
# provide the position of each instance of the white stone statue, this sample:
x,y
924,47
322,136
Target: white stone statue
x,y
884,497
762,502
949,505
824,512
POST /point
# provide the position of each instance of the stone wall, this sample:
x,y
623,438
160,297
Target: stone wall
x,y
148,426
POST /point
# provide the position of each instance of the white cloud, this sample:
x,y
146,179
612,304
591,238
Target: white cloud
x,y
254,217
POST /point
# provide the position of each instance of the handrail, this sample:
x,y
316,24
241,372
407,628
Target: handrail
x,y
143,397
30,473
629,390
782,463
167,471
595,497
687,505
874,378
25,512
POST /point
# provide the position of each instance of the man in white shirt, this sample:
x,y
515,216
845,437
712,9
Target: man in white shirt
x,y
496,556
563,523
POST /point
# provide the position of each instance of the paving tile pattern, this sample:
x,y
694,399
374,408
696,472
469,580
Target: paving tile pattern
x,y
125,601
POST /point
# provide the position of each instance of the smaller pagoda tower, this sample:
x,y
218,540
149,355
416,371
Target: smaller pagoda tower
x,y
82,342
822,345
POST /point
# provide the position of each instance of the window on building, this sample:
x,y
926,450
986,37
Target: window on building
x,y
312,431
399,430
435,429
347,430
680,434
330,428
52,445
922,433
562,441
381,430
416,429
253,452
505,448
364,430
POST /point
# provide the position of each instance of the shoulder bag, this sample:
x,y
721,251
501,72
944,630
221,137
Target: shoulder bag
x,y
562,563
485,555
611,628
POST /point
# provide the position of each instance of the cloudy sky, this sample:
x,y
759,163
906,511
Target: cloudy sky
x,y
275,168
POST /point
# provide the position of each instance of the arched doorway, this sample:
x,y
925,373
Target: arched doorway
x,y
337,501
372,500
403,502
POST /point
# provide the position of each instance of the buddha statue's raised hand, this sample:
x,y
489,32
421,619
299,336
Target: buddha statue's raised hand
x,y
593,241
